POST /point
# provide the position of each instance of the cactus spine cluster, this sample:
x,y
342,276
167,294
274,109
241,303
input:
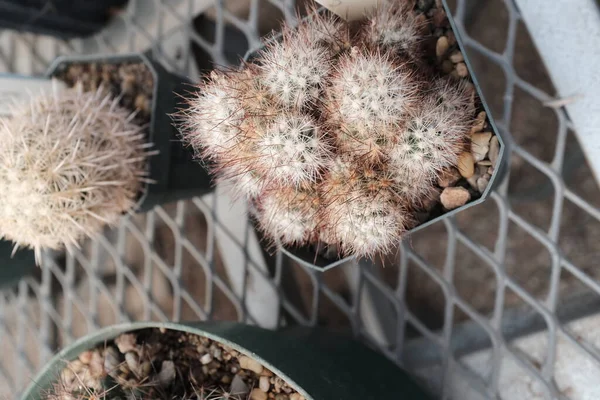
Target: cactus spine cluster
x,y
70,162
335,133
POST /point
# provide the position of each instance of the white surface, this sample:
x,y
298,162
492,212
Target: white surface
x,y
15,89
567,35
577,376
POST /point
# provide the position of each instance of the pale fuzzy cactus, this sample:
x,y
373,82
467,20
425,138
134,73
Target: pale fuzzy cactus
x,y
393,26
217,112
335,133
293,150
294,69
370,89
70,163
362,213
289,215
432,139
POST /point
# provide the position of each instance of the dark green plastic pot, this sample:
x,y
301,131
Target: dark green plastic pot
x,y
176,174
14,268
319,365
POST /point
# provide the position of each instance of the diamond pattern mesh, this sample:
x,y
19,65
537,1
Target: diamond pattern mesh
x,y
522,262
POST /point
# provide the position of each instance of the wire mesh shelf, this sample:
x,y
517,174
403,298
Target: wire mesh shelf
x,y
452,305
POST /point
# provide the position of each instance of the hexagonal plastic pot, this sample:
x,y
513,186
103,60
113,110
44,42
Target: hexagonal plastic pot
x,y
318,364
311,259
64,19
176,174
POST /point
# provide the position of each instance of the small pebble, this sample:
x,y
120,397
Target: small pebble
x,y
238,386
482,183
441,46
111,360
126,342
206,359
454,197
466,165
282,396
250,364
296,396
133,362
480,145
266,372
257,394
448,177
86,357
167,373
424,5
145,369
456,57
479,122
447,66
461,70
485,163
263,384
451,38
494,150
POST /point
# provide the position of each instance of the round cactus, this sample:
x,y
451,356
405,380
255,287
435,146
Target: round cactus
x,y
289,215
394,26
293,150
70,163
432,139
294,70
339,132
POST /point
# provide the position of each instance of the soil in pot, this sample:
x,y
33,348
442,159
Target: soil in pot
x,y
131,81
165,364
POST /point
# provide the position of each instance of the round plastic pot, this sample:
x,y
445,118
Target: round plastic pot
x,y
319,365
176,174
309,258
64,19
14,268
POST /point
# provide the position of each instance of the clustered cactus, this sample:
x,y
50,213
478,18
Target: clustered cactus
x,y
70,162
335,133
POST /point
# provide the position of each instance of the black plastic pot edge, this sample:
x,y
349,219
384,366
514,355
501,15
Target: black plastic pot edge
x,y
318,364
307,258
14,268
21,17
177,174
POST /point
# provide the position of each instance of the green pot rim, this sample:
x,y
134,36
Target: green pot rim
x,y
304,373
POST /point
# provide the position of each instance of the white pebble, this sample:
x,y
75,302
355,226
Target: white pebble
x,y
206,359
264,384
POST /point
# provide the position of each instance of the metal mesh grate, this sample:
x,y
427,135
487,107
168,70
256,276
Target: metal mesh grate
x,y
522,262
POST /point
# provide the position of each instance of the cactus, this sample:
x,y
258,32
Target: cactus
x,y
70,163
336,133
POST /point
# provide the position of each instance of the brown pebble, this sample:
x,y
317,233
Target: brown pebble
x,y
266,372
257,394
482,183
447,67
456,57
454,197
264,384
85,357
448,177
466,164
451,38
479,122
250,364
494,150
441,47
480,145
461,70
